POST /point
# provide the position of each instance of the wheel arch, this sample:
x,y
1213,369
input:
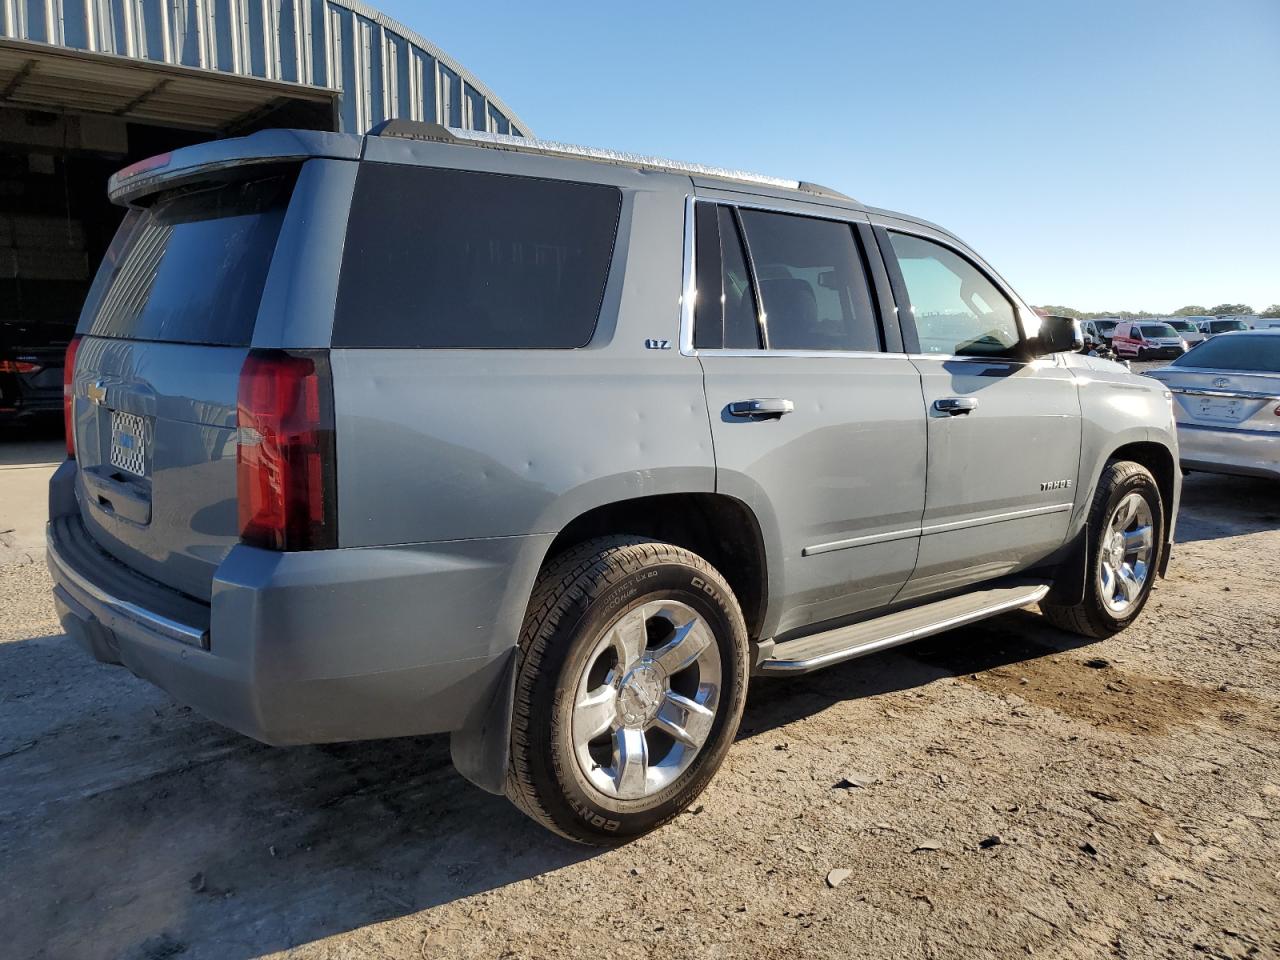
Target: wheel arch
x,y
721,529
1163,464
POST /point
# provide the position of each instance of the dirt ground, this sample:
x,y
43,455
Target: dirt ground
x,y
1027,794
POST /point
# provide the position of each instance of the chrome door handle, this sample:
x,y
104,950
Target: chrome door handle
x,y
762,409
954,406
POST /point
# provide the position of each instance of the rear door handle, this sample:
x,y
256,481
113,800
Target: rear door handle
x,y
954,406
767,408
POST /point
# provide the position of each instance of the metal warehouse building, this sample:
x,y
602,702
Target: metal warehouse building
x,y
88,86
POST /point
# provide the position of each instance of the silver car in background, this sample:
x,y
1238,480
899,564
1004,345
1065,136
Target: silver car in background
x,y
1226,396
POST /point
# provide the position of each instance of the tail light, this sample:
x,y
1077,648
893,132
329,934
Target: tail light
x,y
68,396
19,366
285,460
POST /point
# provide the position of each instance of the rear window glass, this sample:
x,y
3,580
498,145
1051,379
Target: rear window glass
x,y
456,259
191,267
1257,354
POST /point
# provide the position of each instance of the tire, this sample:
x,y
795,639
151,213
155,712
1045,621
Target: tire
x,y
1101,614
580,637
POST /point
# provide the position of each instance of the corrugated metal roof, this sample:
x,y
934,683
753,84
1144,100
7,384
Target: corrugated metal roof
x,y
52,78
380,68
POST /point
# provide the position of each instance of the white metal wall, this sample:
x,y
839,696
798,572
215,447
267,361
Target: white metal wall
x,y
383,69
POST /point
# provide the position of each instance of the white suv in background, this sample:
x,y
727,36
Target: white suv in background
x,y
1187,329
1216,325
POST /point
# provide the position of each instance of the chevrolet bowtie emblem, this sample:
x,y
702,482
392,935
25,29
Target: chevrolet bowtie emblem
x,y
97,391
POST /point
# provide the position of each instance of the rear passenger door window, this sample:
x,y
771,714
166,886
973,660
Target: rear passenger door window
x,y
957,309
813,287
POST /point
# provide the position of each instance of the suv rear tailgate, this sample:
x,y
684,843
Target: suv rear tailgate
x,y
167,327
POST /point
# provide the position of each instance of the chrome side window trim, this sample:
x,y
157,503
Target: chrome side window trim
x,y
689,290
968,358
809,354
689,294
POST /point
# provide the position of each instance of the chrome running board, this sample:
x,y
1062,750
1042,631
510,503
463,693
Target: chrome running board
x,y
859,639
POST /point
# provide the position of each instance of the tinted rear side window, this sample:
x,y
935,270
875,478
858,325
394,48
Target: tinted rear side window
x,y
456,259
811,281
191,267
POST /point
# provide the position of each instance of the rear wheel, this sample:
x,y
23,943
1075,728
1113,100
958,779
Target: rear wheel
x,y
1126,529
630,688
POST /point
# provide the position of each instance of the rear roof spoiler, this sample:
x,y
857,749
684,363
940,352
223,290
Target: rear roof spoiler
x,y
194,163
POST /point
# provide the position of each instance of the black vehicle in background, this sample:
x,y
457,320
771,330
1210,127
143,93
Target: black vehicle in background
x,y
31,362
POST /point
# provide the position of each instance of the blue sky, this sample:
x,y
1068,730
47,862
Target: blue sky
x,y
1102,155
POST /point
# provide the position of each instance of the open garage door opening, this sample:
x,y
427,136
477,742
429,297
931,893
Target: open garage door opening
x,y
68,121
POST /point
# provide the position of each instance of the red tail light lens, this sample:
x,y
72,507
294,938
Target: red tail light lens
x,y
18,366
285,461
68,396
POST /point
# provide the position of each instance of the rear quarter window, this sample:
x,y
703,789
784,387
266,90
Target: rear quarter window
x,y
439,258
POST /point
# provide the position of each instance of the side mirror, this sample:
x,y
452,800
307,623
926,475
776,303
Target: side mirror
x,y
1057,335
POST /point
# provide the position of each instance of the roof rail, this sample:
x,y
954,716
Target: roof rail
x,y
439,133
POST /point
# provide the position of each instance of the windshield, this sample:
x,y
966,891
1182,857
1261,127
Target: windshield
x,y
1256,353
1183,326
1105,326
1158,330
1222,326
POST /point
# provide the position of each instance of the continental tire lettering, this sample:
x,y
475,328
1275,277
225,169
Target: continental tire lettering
x,y
697,583
593,818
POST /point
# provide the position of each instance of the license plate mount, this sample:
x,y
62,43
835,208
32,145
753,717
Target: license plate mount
x,y
1220,408
129,443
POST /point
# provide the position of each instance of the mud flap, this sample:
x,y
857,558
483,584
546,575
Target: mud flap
x,y
1072,574
481,748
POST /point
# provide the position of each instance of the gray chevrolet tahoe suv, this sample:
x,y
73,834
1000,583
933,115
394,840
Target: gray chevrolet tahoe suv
x,y
552,449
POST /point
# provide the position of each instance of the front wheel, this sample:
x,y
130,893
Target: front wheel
x,y
630,687
1126,528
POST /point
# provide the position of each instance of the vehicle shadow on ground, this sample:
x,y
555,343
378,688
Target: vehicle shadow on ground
x,y
135,828
1215,506
1003,641
144,831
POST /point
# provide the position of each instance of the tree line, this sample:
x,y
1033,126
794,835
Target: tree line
x,y
1191,310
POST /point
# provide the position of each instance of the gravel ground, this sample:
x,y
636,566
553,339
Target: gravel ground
x,y
1025,793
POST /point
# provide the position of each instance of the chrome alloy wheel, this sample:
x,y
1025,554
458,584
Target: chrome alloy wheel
x,y
1124,564
646,701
